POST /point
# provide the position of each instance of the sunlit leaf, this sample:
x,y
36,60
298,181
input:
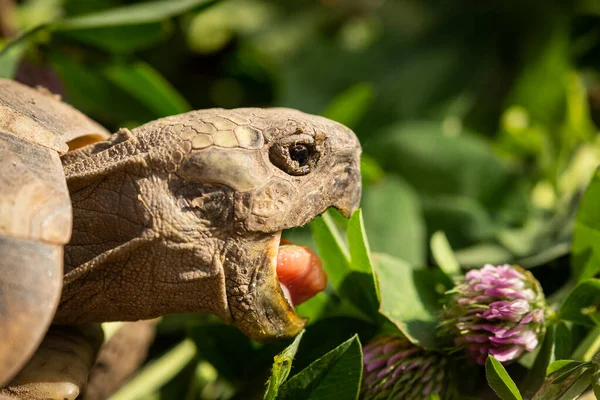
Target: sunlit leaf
x,y
332,249
587,347
10,58
350,106
146,84
555,346
335,375
282,365
94,94
370,171
562,366
118,39
359,286
483,253
12,51
578,386
410,298
133,14
500,381
586,233
547,56
395,221
443,254
572,383
581,306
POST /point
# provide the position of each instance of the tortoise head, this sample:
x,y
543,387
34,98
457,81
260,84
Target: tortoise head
x,y
185,214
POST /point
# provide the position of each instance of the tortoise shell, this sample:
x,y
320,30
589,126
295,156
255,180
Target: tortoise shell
x,y
36,128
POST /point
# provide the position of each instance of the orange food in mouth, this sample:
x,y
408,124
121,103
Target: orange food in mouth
x,y
300,271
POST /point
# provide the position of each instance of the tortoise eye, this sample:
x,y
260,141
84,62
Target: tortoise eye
x,y
300,153
294,158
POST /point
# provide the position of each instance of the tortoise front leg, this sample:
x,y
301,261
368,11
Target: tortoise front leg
x,y
120,358
60,367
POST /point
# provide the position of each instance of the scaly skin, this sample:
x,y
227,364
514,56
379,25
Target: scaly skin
x,y
184,214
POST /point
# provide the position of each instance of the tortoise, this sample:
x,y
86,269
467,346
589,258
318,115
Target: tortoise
x,y
182,214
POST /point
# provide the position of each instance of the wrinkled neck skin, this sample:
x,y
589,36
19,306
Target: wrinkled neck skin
x,y
139,251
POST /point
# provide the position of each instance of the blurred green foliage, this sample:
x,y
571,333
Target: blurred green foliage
x,y
477,119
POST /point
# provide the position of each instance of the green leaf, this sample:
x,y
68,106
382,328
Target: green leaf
x,y
464,165
586,349
567,379
556,346
546,54
352,286
95,95
546,355
596,359
563,374
281,368
118,39
562,365
10,58
586,232
225,347
395,223
144,83
134,14
458,190
581,305
328,304
370,171
410,298
12,51
443,254
315,344
563,341
569,387
157,373
360,253
463,219
315,307
578,387
483,253
350,106
359,286
335,375
579,125
331,248
500,381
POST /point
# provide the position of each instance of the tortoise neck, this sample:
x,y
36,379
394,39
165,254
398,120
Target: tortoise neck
x,y
108,212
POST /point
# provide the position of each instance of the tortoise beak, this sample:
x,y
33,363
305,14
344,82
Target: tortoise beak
x,y
263,312
278,318
346,188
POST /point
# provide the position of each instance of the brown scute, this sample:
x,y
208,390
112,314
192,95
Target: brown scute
x,y
40,117
30,283
34,200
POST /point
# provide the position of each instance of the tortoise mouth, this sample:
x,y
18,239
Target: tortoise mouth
x,y
298,270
